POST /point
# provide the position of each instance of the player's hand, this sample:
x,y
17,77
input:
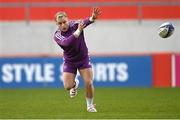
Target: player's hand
x,y
96,12
81,26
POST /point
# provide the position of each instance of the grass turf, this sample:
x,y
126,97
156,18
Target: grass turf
x,y
111,103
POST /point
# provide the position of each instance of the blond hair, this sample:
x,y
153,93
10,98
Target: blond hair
x,y
59,15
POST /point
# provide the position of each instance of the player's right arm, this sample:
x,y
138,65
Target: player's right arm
x,y
64,41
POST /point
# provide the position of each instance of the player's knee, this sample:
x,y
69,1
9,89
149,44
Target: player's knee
x,y
89,83
67,86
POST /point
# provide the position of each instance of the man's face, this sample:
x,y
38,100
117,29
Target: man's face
x,y
63,23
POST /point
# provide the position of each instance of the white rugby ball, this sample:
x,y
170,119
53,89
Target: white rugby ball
x,y
166,30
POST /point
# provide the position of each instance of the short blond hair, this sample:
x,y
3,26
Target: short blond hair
x,y
59,15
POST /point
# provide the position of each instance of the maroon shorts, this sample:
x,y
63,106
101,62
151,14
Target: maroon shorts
x,y
73,66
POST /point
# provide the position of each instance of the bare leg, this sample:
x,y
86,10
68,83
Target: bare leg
x,y
69,80
87,75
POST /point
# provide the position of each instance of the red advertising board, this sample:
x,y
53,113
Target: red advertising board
x,y
162,76
177,68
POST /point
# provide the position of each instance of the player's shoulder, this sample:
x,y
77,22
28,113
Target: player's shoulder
x,y
57,32
57,35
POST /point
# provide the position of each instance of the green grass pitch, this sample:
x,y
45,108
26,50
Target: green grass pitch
x,y
113,103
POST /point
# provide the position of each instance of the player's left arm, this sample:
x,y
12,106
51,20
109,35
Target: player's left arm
x,y
95,13
84,23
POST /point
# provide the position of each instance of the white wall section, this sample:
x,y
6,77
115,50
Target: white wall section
x,y
123,36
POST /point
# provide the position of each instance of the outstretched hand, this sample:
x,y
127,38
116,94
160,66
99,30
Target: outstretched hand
x,y
96,12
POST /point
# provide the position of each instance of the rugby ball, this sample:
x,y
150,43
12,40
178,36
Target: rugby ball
x,y
166,30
